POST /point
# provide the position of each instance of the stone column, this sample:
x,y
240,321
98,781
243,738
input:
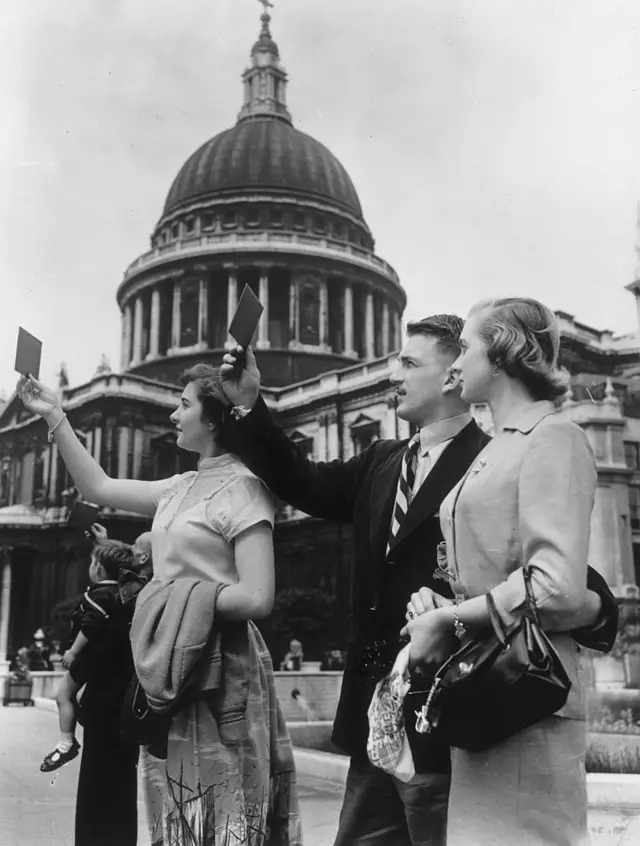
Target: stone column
x,y
323,421
123,451
397,331
110,447
46,462
126,337
324,313
154,339
137,331
5,605
203,314
294,313
97,443
348,321
333,437
53,471
263,341
175,316
369,327
385,328
232,295
138,446
89,444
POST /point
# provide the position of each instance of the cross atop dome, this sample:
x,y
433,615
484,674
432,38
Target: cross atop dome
x,y
265,81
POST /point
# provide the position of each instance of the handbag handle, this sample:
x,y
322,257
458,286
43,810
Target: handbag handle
x,y
526,575
495,619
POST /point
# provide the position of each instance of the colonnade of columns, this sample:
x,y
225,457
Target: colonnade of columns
x,y
141,317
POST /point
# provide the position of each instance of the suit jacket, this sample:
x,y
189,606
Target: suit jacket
x,y
362,491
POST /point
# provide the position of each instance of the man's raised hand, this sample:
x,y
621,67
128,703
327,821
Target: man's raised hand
x,y
240,388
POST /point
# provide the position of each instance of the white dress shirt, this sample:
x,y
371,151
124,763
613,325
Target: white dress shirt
x,y
434,439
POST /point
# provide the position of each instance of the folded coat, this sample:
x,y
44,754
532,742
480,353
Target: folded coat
x,y
178,647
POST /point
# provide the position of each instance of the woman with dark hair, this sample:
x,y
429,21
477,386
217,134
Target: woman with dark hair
x,y
525,502
213,524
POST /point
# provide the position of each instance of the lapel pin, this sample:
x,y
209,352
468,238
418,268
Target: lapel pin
x,y
479,465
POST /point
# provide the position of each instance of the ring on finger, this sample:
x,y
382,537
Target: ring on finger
x,y
411,614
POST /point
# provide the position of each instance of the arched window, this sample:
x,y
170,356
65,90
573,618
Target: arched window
x,y
319,224
364,431
230,219
189,313
252,217
309,314
276,218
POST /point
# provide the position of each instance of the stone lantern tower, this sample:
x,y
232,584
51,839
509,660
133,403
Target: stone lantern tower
x,y
263,205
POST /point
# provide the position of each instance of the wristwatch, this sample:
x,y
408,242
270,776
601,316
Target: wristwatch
x,y
239,411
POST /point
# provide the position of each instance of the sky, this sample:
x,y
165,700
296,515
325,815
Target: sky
x,y
495,146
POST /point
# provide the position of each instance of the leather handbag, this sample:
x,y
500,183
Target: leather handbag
x,y
139,724
497,684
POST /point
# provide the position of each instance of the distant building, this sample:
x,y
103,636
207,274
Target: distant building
x,y
265,205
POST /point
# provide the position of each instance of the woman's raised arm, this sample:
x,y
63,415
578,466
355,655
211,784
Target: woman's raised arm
x,y
89,477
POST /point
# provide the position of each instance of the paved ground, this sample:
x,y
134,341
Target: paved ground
x,y
37,809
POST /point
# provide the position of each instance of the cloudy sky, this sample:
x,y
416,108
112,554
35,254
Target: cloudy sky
x,y
495,145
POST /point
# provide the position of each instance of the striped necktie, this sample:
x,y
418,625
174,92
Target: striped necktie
x,y
405,486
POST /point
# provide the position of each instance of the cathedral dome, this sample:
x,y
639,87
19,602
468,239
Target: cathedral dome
x,y
264,153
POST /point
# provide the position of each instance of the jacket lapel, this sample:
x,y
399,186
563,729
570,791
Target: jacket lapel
x,y
449,469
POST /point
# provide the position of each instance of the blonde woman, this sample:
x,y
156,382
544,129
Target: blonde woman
x,y
526,501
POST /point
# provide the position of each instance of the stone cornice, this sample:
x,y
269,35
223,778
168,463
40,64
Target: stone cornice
x,y
248,245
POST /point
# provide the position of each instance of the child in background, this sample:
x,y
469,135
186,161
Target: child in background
x,y
89,623
132,580
294,658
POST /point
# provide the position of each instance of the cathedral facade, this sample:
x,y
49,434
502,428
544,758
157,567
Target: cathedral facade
x,y
264,205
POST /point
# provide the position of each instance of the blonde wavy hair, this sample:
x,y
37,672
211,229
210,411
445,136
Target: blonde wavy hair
x,y
523,339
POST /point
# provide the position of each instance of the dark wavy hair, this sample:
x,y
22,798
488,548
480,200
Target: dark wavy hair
x,y
114,556
446,328
523,339
215,405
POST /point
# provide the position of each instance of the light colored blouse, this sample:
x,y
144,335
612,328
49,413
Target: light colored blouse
x,y
200,514
527,499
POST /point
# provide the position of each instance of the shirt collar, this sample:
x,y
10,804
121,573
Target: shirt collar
x,y
442,430
525,421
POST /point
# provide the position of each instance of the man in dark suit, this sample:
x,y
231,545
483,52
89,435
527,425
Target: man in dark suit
x,y
391,492
395,555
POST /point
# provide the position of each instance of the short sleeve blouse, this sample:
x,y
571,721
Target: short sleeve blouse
x,y
200,514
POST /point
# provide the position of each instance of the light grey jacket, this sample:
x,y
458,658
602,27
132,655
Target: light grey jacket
x,y
179,647
527,500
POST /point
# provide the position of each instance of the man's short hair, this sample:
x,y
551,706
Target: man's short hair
x,y
446,328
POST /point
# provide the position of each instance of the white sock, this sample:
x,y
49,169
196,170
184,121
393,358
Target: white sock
x,y
66,741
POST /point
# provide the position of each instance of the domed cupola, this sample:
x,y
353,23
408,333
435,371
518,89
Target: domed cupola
x,y
266,205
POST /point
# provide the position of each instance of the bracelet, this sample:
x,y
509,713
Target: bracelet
x,y
52,430
458,627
